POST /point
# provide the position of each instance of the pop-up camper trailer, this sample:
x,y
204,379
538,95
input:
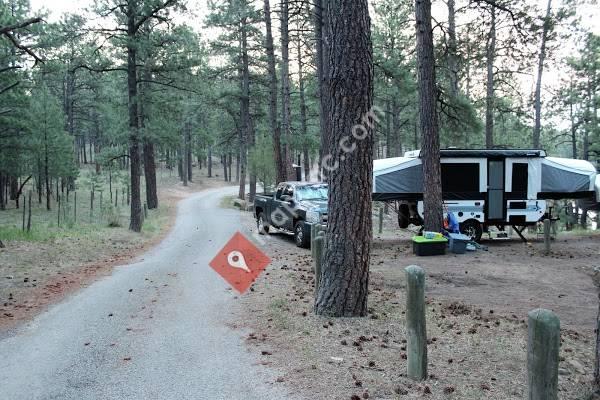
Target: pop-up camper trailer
x,y
485,187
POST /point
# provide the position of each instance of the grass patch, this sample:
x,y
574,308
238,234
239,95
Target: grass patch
x,y
227,202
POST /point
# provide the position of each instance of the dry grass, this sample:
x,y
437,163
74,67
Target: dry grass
x,y
40,267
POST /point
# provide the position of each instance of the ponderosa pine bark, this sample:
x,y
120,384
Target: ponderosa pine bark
x,y
303,116
286,110
272,73
344,280
428,118
244,107
490,92
135,221
538,86
452,50
320,20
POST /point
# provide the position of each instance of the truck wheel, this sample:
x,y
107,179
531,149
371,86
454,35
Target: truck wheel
x,y
403,216
301,239
472,228
262,225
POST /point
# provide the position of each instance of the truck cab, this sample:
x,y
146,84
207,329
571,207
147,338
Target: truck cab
x,y
292,209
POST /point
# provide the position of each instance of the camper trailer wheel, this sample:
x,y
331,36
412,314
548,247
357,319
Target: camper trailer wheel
x,y
472,228
403,216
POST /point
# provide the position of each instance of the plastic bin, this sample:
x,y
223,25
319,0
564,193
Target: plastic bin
x,y
429,247
458,243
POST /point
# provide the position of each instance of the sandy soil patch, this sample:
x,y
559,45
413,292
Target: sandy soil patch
x,y
477,311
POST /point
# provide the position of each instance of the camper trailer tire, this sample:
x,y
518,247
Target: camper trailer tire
x,y
403,216
472,228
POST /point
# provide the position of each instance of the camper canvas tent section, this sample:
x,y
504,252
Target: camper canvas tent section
x,y
567,178
484,187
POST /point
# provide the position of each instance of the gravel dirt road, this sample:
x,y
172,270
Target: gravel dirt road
x,y
159,328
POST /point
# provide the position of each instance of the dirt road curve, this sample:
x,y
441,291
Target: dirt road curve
x,y
156,329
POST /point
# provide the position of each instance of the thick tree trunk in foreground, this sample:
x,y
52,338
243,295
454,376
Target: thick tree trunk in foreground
x,y
344,280
489,107
272,73
428,116
538,86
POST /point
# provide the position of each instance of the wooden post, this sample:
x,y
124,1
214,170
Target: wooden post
x,y
547,236
29,214
380,220
415,321
542,355
116,198
318,245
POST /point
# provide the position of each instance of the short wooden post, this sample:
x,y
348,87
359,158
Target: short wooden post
x,y
29,214
380,220
542,355
547,236
416,323
318,245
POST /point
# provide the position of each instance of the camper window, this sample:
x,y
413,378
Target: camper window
x,y
460,178
519,178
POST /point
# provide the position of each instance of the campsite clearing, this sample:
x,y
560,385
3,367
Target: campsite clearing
x,y
477,312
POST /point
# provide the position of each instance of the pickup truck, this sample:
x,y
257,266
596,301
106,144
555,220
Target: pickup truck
x,y
292,209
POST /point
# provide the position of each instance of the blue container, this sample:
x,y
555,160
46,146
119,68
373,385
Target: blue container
x,y
458,243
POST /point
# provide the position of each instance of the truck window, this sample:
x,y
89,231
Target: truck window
x,y
460,178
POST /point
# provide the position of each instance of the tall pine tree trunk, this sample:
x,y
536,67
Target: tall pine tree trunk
x,y
209,162
452,50
428,117
303,117
344,280
538,86
135,221
272,73
320,21
286,111
490,100
148,148
244,108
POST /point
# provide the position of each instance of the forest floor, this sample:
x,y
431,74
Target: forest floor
x,y
41,267
477,307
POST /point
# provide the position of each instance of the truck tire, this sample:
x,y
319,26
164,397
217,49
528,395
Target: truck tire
x,y
262,224
472,228
403,216
302,240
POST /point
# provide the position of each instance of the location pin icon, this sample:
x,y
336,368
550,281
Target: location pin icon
x,y
236,260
